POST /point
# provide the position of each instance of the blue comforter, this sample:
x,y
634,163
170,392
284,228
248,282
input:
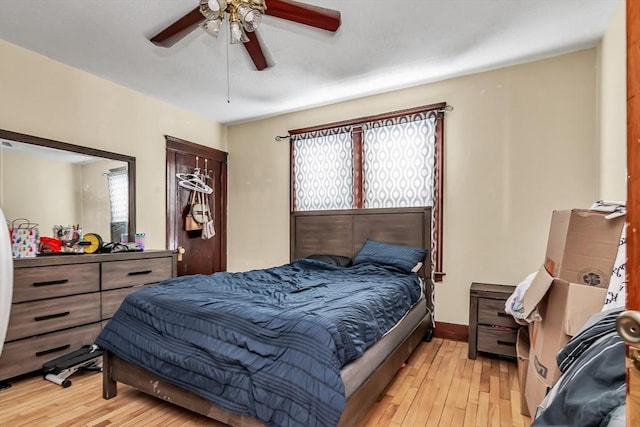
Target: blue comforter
x,y
265,343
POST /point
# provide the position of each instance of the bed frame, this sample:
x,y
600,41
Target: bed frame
x,y
325,232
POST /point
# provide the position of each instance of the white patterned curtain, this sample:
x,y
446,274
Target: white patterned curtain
x,y
399,162
323,170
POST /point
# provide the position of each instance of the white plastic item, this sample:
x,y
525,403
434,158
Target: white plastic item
x,y
6,278
617,291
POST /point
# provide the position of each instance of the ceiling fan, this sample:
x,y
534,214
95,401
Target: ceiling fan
x,y
244,17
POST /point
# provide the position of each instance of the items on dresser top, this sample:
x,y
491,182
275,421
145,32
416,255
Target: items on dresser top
x,y
25,237
61,303
90,243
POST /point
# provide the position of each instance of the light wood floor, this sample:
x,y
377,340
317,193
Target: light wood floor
x,y
438,387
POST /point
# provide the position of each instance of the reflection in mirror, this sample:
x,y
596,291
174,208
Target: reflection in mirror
x,y
56,184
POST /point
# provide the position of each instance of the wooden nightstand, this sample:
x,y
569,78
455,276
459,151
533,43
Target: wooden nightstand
x,y
491,329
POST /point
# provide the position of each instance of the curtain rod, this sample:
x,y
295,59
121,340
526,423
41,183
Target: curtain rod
x,y
447,108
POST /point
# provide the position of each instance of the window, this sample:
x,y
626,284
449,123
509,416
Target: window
x,y
384,161
118,182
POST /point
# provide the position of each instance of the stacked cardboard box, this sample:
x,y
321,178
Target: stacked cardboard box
x,y
568,288
522,354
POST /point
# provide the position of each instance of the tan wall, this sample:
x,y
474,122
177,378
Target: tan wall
x,y
520,142
23,177
45,98
612,82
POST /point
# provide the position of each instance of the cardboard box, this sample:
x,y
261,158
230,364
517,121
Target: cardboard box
x,y
535,391
582,246
563,309
522,355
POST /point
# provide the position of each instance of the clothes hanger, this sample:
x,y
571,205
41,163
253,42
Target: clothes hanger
x,y
194,181
195,184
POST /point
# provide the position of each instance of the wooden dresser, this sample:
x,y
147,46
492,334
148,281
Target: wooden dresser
x,y
61,303
491,330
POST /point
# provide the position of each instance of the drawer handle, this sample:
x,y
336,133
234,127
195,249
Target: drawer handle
x,y
51,282
505,342
53,350
501,314
140,273
51,316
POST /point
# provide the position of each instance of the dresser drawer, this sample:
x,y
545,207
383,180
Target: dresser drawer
x,y
29,354
497,340
34,283
120,274
38,317
491,312
112,299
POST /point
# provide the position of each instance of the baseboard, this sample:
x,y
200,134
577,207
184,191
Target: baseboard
x,y
451,331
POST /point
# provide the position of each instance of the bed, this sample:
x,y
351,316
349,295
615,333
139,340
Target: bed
x,y
364,375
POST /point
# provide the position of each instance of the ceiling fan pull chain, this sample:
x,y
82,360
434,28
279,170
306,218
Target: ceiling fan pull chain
x,y
228,84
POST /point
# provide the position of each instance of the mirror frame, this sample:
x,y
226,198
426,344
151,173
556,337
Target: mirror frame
x,y
50,143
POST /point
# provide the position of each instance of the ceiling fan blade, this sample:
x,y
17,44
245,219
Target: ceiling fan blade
x,y
255,51
176,31
315,16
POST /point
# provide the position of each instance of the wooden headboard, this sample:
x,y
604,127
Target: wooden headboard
x,y
344,232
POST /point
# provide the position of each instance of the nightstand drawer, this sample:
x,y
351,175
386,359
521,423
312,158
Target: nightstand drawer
x,y
491,312
497,340
491,330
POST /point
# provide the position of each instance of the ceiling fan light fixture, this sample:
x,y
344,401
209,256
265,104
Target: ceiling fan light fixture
x,y
249,17
212,26
209,13
237,34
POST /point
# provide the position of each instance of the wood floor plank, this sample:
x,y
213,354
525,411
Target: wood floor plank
x,y
465,386
403,406
514,382
505,413
420,408
474,388
494,395
444,380
485,375
458,417
505,385
470,415
439,387
430,350
482,418
516,417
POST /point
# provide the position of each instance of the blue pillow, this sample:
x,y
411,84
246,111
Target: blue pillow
x,y
399,256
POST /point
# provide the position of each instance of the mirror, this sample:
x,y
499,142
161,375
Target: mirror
x,y
53,184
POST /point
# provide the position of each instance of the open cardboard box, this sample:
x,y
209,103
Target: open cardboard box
x,y
522,355
563,308
582,246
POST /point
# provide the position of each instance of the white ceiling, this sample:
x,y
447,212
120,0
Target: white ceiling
x,y
375,50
